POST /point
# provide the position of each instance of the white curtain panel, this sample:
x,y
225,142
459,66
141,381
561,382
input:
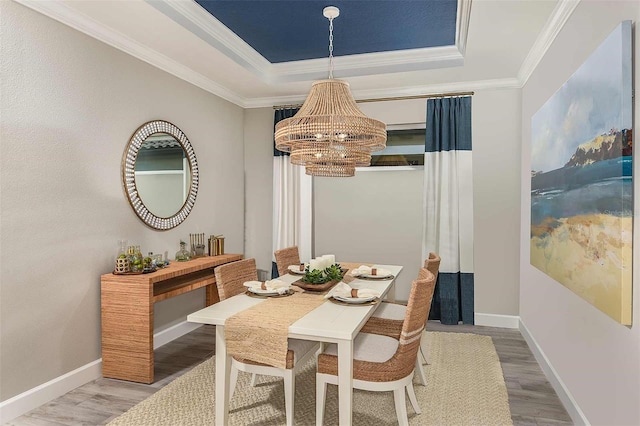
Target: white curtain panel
x,y
448,209
292,202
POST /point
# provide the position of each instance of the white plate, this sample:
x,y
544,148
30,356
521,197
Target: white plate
x,y
354,300
376,277
295,269
262,292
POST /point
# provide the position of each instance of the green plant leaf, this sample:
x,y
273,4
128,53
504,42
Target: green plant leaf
x,y
332,273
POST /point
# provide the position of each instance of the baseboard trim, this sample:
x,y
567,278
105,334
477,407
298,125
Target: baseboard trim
x,y
570,404
35,397
163,337
496,320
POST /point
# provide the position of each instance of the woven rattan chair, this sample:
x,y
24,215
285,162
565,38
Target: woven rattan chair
x,y
382,363
286,257
229,280
388,318
230,277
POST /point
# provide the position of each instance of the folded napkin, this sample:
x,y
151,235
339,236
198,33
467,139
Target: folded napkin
x,y
274,285
345,290
300,267
368,270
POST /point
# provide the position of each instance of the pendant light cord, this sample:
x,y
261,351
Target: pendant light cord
x,y
330,48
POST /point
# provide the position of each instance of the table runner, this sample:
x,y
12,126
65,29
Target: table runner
x,y
260,332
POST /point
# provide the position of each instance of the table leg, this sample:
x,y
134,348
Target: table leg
x,y
223,376
345,380
391,294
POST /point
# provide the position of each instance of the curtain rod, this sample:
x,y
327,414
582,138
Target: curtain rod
x,y
397,98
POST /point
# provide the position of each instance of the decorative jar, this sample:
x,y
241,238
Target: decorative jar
x,y
135,258
183,254
122,264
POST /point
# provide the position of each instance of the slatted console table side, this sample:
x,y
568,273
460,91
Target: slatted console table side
x,y
127,312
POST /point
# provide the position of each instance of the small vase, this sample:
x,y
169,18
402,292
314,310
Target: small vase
x,y
135,258
122,261
183,254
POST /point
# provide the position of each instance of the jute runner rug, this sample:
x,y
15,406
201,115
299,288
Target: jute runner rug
x,y
465,387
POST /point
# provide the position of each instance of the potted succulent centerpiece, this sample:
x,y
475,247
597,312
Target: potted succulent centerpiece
x,y
322,271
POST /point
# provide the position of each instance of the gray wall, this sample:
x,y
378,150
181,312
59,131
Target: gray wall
x,y
375,216
496,198
69,106
597,359
258,147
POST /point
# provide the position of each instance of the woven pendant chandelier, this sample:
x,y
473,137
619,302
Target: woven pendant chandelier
x,y
329,135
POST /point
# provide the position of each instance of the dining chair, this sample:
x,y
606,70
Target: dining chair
x,y
286,257
387,320
229,280
230,277
383,363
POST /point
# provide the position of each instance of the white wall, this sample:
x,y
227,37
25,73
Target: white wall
x,y
69,106
596,359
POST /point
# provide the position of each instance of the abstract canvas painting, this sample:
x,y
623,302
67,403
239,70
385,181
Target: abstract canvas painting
x,y
581,180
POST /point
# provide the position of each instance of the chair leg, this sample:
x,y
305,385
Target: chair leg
x,y
419,371
413,399
321,396
289,392
423,356
401,406
253,380
424,348
233,381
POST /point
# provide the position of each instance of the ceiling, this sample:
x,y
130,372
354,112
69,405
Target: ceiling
x,y
285,31
271,51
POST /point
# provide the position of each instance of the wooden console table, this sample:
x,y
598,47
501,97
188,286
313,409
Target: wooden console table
x,y
127,312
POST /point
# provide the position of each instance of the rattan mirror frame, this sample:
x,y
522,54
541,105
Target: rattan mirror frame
x,y
129,181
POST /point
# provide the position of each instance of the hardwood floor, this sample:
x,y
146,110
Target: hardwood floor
x,y
532,400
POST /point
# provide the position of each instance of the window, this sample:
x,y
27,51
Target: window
x,y
405,147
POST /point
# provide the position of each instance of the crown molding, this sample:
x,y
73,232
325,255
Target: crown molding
x,y
551,29
501,83
71,17
367,63
462,25
201,23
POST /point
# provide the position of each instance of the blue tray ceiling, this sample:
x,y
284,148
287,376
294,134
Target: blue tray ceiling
x,y
283,31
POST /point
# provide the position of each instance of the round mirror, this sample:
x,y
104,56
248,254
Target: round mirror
x,y
160,174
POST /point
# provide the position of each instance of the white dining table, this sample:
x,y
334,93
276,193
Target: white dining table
x,y
329,322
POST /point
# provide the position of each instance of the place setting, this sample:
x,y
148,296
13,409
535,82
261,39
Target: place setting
x,y
270,288
344,294
371,273
297,269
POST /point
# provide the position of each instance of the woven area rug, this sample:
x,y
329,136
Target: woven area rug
x,y
465,387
